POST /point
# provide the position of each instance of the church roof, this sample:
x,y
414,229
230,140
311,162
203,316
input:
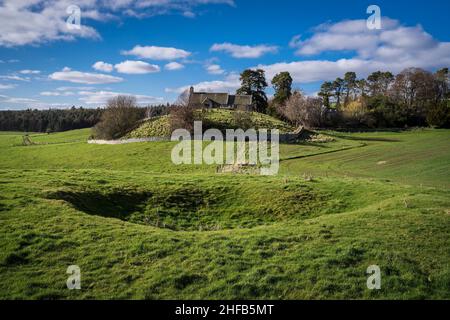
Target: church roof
x,y
219,98
200,97
240,100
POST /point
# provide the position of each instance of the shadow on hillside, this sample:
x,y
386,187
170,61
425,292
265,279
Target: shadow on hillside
x,y
174,209
118,205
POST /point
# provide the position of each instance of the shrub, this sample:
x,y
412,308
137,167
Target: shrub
x,y
182,117
438,115
356,114
121,115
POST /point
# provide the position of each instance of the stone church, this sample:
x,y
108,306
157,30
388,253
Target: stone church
x,y
219,100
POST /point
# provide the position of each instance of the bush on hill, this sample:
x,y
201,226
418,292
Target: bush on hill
x,y
120,116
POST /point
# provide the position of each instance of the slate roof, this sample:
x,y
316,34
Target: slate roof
x,y
241,100
222,99
200,97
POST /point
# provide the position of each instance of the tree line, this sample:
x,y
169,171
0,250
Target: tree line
x,y
414,97
56,120
52,120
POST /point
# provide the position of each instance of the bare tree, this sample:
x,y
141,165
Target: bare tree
x,y
120,116
413,87
183,98
305,111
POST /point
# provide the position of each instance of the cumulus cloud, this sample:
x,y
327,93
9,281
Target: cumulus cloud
x,y
102,97
83,77
214,69
38,21
238,51
157,53
394,48
103,66
353,35
136,67
230,84
172,66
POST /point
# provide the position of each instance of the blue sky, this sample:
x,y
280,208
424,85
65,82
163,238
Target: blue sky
x,y
154,49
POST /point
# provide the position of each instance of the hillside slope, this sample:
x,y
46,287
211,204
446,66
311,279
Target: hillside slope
x,y
216,118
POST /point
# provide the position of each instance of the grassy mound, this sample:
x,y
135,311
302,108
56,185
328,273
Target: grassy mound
x,y
155,127
215,118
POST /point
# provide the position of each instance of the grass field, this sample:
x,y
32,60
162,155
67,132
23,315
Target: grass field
x,y
140,227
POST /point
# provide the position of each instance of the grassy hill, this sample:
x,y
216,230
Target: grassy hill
x,y
217,118
140,227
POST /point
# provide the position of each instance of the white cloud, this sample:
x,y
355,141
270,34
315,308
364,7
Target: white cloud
x,y
230,84
353,35
39,21
25,22
83,77
7,86
7,99
238,51
157,53
394,48
15,78
172,66
57,93
186,8
136,67
317,70
75,88
103,66
101,97
20,100
189,14
30,72
214,69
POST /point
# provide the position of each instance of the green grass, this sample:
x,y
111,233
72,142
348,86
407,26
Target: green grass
x,y
419,157
140,227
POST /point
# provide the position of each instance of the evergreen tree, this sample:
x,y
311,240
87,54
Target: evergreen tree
x,y
282,83
254,84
